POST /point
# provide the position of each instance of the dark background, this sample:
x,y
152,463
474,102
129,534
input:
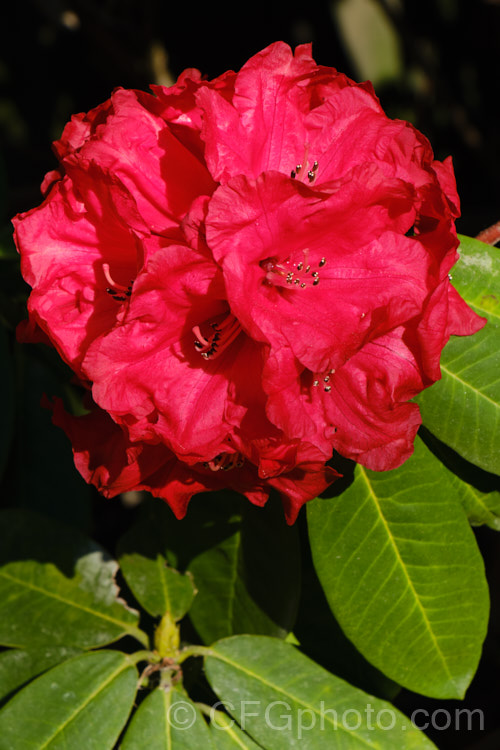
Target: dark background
x,y
60,57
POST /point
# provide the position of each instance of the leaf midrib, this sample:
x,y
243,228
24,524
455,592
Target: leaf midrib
x,y
69,602
469,386
217,655
161,563
167,702
82,706
232,580
235,737
408,579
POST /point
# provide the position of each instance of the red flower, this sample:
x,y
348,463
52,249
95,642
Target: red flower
x,y
251,273
106,458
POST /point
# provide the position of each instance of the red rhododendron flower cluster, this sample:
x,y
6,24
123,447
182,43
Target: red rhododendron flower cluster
x,y
248,274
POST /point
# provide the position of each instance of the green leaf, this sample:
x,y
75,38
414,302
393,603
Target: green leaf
x,y
18,666
211,517
480,507
83,703
284,700
227,735
244,560
463,408
250,581
156,586
168,720
477,490
322,639
371,40
401,570
57,587
7,391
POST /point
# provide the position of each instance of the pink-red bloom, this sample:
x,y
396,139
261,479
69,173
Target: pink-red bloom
x,y
249,273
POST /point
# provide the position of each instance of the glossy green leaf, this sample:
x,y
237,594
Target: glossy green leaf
x,y
57,587
83,703
250,581
477,490
211,517
284,700
227,735
18,666
480,507
401,570
463,408
156,586
168,720
244,560
7,391
322,639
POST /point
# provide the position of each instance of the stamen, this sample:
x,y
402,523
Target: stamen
x,y
311,172
225,462
109,279
279,273
202,342
224,333
113,289
306,153
324,378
